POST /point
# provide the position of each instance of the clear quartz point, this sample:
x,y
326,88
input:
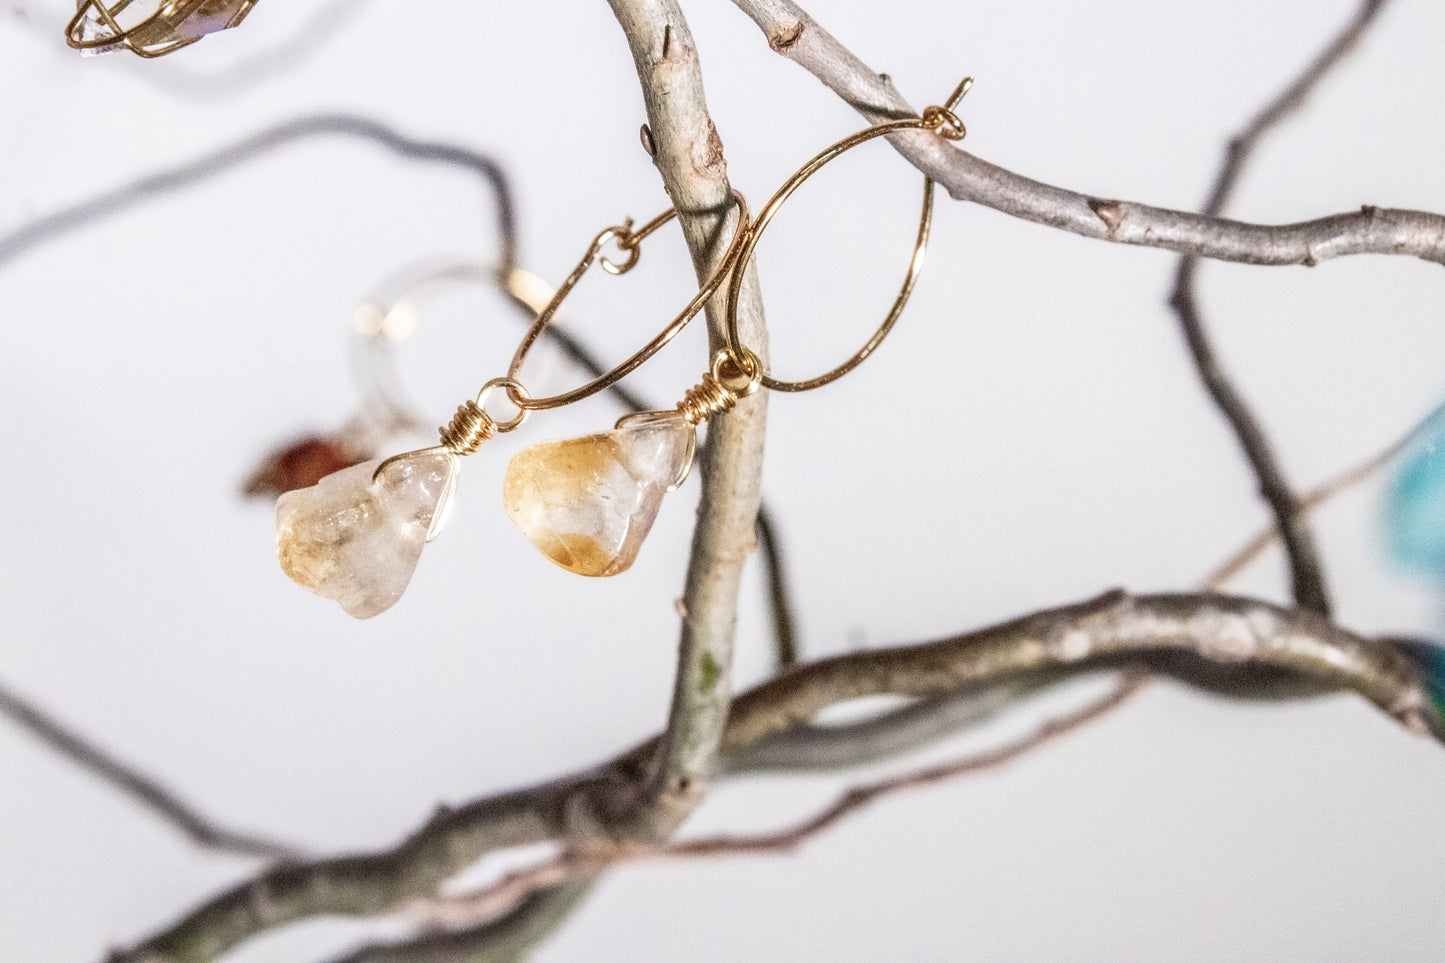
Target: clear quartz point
x,y
588,503
356,540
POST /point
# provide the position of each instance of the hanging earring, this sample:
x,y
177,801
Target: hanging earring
x,y
354,531
99,27
587,503
357,535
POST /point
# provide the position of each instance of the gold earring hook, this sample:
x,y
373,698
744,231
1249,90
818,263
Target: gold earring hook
x,y
942,121
626,240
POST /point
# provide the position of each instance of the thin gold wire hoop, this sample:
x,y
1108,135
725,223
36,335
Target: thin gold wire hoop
x,y
627,240
942,121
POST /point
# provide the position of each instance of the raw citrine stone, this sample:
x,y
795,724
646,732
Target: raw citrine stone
x,y
356,540
587,503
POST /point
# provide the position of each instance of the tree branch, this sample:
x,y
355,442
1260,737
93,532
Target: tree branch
x,y
151,794
520,884
780,598
248,148
1222,631
525,922
689,156
1371,230
821,748
1306,570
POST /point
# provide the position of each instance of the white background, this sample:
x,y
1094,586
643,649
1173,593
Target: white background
x,y
1031,435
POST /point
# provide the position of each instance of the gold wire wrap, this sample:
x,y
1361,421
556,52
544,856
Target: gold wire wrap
x,y
156,35
471,426
627,240
468,429
713,395
941,121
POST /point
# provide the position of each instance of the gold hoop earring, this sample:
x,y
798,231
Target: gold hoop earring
x,y
586,503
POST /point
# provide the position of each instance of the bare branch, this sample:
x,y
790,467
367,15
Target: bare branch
x,y
1224,631
1372,230
164,182
813,747
365,885
1219,629
785,638
1306,570
150,793
504,938
513,887
689,155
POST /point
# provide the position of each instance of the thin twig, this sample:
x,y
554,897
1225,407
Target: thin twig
x,y
155,797
467,909
1316,497
209,165
820,748
1306,570
785,639
1113,630
798,37
504,938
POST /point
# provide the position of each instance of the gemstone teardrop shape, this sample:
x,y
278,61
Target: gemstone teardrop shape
x,y
356,540
588,503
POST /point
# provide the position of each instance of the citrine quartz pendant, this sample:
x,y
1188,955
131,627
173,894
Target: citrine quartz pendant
x,y
588,503
357,539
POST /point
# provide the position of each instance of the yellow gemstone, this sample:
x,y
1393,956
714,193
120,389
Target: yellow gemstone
x,y
588,503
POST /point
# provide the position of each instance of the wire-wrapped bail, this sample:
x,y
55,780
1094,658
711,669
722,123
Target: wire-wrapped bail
x,y
722,387
468,429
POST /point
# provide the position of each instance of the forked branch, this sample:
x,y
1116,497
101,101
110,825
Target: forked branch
x,y
1306,570
1116,629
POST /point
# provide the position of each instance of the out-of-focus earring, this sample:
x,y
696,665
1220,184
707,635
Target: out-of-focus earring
x,y
150,28
388,316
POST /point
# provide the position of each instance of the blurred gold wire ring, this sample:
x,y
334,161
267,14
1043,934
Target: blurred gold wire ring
x,y
174,24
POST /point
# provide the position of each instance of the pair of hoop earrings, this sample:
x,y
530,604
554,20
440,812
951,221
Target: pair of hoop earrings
x,y
586,503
